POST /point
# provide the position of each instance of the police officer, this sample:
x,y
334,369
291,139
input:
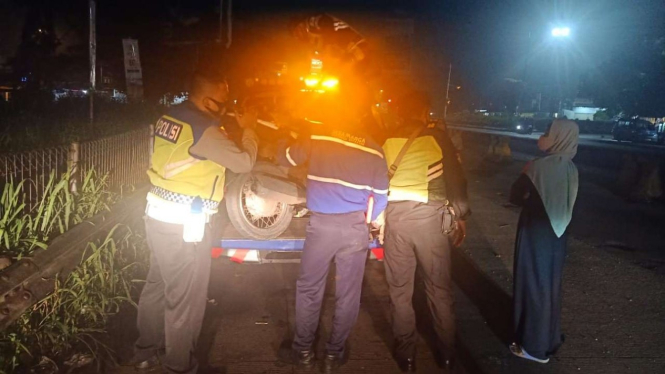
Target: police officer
x,y
189,162
427,208
345,168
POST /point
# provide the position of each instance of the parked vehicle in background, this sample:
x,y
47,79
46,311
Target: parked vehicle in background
x,y
523,127
634,130
660,129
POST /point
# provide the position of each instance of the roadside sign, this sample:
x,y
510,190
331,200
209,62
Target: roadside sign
x,y
133,73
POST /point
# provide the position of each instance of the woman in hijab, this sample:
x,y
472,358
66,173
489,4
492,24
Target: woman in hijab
x,y
546,190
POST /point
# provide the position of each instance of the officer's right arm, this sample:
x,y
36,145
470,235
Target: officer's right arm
x,y
215,146
295,153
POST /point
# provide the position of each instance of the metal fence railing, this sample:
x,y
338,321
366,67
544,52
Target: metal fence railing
x,y
125,158
33,168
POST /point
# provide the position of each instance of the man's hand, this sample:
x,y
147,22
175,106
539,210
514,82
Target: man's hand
x,y
459,234
378,230
247,120
379,224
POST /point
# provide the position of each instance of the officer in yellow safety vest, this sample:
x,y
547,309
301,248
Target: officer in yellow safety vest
x,y
427,208
190,157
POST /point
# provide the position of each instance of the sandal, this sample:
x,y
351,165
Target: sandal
x,y
519,351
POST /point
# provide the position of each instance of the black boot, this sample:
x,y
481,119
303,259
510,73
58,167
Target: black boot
x,y
406,364
445,357
303,359
333,361
404,354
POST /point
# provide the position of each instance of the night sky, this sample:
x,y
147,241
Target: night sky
x,y
487,41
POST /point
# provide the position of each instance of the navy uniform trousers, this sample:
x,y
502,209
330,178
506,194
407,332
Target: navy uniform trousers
x,y
345,239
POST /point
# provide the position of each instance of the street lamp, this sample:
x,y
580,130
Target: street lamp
x,y
561,32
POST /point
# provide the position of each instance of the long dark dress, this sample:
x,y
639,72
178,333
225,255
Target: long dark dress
x,y
538,270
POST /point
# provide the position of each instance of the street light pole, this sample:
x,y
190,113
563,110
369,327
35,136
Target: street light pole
x,y
229,24
445,109
221,21
93,56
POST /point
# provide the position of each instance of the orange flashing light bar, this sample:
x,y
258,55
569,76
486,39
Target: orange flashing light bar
x,y
330,83
314,82
311,81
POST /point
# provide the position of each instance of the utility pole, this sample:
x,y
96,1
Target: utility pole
x,y
93,57
445,110
523,89
221,21
229,24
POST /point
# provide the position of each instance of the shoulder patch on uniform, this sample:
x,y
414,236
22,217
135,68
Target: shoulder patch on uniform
x,y
345,136
168,130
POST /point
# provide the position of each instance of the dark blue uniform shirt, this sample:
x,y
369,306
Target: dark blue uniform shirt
x,y
345,169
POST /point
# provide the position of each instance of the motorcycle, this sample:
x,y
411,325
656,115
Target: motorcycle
x,y
261,204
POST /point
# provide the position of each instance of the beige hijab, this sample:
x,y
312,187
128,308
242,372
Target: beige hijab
x,y
555,176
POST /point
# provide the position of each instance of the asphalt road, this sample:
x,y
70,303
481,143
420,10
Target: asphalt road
x,y
251,313
614,292
605,216
612,312
592,141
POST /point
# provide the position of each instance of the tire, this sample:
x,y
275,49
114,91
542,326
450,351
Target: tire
x,y
248,225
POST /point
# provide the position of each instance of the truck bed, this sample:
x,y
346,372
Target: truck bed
x,y
292,239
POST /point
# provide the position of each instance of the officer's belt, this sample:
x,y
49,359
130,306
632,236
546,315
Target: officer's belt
x,y
175,197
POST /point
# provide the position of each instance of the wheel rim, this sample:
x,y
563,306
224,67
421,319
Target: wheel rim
x,y
262,222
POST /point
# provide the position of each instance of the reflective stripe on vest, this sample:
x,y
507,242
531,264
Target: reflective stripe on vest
x,y
420,165
175,168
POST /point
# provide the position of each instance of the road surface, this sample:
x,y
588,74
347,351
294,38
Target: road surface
x,y
593,141
613,313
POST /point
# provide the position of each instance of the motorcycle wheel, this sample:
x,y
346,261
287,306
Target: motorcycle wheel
x,y
253,216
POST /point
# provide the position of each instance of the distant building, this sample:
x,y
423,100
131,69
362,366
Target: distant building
x,y
6,88
581,113
5,93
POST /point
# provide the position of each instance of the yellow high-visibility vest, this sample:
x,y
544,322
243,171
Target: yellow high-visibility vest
x,y
175,170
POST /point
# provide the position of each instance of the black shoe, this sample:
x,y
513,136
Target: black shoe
x,y
406,364
445,356
333,361
141,363
304,359
450,365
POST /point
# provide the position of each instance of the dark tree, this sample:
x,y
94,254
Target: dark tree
x,y
633,82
